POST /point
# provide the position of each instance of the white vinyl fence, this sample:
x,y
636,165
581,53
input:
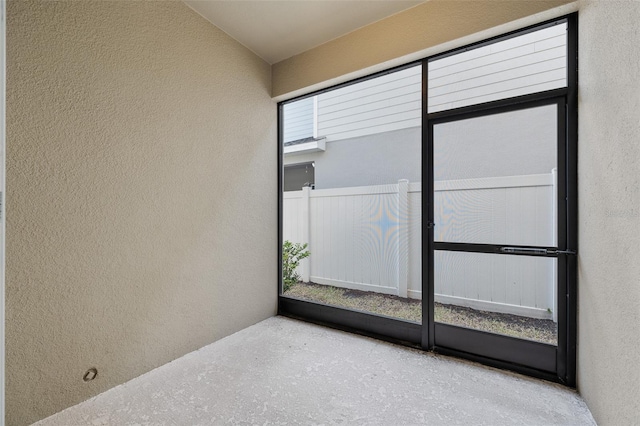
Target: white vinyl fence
x,y
370,238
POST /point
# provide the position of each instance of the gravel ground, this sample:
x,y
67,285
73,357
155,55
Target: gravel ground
x,y
512,325
411,310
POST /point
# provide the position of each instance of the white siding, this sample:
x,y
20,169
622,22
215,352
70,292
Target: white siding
x,y
298,119
521,65
386,103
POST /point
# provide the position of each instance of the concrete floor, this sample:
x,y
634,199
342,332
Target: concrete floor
x,y
283,371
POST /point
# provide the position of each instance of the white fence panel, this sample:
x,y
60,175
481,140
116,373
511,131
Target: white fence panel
x,y
516,210
295,223
520,285
369,238
292,221
500,210
415,241
354,238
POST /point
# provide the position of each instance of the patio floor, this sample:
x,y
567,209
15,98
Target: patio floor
x,y
283,371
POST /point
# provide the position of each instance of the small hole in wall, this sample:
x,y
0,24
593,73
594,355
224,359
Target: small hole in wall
x,y
91,374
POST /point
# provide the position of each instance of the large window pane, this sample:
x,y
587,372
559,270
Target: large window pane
x,y
361,217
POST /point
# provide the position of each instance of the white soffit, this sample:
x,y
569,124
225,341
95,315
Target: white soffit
x,y
277,30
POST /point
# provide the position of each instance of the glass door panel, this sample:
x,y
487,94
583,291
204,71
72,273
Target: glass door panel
x,y
496,222
510,295
495,178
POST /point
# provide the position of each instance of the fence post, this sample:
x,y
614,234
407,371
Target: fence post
x,y
403,237
305,264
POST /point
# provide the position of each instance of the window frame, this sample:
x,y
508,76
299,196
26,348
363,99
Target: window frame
x,y
422,335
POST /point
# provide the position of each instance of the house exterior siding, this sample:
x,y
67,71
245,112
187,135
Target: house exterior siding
x,y
530,63
383,104
300,118
351,118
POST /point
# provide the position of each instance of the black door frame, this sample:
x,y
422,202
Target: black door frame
x,y
461,341
535,359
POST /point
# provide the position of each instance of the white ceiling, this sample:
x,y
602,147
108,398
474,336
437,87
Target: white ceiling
x,y
277,30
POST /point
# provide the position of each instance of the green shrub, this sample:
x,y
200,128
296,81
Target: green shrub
x,y
292,254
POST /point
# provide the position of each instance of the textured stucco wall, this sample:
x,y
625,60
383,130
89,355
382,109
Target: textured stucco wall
x,y
141,208
430,24
609,197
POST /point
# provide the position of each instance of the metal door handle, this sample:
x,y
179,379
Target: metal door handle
x,y
567,252
535,250
523,250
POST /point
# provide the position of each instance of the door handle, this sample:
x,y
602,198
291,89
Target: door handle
x,y
524,250
535,250
567,252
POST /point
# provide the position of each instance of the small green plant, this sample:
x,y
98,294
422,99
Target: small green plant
x,y
292,254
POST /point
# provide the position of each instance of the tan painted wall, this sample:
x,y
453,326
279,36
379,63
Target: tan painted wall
x,y
430,24
141,209
609,196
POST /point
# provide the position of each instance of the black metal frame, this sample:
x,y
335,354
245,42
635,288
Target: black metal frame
x,y
378,326
554,363
572,199
280,198
540,357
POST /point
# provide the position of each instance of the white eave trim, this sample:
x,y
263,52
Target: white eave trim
x,y
307,147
